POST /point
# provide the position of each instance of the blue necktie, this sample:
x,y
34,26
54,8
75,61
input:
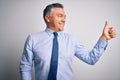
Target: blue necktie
x,y
54,59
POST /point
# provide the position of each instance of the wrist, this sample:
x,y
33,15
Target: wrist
x,y
104,38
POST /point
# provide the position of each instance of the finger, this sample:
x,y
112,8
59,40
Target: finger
x,y
106,24
112,30
112,35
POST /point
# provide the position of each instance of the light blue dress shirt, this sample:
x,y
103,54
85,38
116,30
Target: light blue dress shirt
x,y
38,49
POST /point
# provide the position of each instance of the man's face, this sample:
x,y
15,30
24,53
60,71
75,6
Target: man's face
x,y
56,19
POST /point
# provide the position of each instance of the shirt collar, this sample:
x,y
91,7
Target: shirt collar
x,y
50,32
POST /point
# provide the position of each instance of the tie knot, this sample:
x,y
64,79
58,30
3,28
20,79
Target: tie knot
x,y
55,34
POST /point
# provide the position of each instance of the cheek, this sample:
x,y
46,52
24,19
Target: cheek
x,y
56,21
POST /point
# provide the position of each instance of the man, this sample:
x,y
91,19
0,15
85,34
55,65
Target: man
x,y
42,46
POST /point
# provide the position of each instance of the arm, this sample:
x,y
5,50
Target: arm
x,y
91,57
26,61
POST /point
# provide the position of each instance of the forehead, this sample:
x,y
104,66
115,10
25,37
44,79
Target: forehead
x,y
58,10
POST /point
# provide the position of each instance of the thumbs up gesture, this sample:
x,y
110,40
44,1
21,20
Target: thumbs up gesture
x,y
108,32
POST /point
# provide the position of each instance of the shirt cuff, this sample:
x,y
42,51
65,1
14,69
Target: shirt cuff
x,y
102,43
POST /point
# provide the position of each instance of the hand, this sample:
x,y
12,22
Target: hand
x,y
108,32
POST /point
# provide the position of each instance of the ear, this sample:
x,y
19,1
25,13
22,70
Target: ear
x,y
47,18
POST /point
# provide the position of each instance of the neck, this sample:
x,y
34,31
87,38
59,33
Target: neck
x,y
53,29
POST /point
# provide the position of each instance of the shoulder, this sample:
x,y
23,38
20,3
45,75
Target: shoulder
x,y
37,35
72,38
67,36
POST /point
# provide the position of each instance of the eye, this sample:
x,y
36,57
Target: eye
x,y
59,15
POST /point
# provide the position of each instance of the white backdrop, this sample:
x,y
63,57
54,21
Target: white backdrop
x,y
85,21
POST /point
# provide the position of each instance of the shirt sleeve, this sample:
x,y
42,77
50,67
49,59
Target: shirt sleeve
x,y
90,57
26,60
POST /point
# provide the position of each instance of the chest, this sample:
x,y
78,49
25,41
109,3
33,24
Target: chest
x,y
43,49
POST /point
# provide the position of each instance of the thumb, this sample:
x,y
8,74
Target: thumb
x,y
106,24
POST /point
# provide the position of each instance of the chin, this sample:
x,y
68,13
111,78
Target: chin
x,y
62,29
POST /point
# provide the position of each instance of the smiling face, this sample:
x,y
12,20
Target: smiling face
x,y
56,19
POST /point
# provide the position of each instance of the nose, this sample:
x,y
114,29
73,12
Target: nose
x,y
64,19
